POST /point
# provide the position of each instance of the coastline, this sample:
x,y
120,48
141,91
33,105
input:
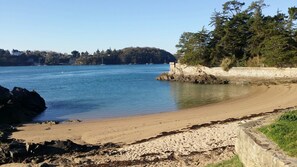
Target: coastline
x,y
127,130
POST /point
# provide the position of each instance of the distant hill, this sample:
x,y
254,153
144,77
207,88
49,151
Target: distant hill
x,y
137,55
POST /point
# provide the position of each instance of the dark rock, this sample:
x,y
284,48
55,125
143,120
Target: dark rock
x,y
29,100
44,165
111,145
16,151
5,95
12,151
72,121
57,147
19,105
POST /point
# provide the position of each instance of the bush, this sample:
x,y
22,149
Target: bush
x,y
254,62
289,116
227,63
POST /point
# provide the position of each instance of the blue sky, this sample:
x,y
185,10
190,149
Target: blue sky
x,y
87,25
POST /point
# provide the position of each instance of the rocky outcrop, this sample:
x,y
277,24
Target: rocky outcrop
x,y
19,105
236,75
197,79
16,151
190,74
55,152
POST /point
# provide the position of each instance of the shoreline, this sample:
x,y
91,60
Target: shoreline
x,y
75,118
130,129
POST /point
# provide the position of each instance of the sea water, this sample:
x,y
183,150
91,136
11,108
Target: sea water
x,y
94,92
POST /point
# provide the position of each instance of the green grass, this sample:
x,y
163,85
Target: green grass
x,y
233,162
284,132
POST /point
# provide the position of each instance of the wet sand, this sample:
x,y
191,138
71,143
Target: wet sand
x,y
131,129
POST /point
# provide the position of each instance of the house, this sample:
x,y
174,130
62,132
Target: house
x,y
16,52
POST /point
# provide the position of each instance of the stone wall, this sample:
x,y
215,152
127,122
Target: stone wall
x,y
261,72
255,150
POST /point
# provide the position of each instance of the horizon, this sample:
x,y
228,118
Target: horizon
x,y
74,25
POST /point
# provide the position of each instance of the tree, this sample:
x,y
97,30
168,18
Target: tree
x,y
280,51
236,36
232,8
243,37
2,52
257,29
75,54
184,42
52,58
292,17
197,49
218,21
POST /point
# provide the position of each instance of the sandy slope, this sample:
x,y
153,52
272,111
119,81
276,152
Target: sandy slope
x,y
130,129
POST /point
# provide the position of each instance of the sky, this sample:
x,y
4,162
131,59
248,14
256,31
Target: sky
x,y
88,25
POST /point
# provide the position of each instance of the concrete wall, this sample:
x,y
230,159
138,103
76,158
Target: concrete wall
x,y
263,72
255,150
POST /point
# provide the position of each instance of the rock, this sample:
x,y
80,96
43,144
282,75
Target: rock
x,y
50,122
19,105
162,77
72,121
77,160
16,151
57,147
202,78
111,145
5,95
44,165
30,100
84,161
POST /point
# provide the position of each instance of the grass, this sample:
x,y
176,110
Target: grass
x,y
233,162
284,132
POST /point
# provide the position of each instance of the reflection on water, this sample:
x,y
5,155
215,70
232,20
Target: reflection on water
x,y
187,95
83,92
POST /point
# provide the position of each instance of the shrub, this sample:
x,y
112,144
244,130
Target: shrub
x,y
289,116
227,63
254,62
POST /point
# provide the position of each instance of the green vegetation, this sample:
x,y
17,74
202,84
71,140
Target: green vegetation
x,y
284,132
123,56
243,36
234,162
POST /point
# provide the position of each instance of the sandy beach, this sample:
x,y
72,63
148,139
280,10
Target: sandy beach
x,y
191,137
130,129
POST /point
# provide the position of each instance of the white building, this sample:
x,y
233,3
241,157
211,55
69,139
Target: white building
x,y
16,52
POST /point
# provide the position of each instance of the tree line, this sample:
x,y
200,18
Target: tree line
x,y
130,55
243,36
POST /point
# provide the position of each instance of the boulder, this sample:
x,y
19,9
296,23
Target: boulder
x,y
19,105
5,95
17,151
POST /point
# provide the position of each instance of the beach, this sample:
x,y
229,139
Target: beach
x,y
190,137
131,129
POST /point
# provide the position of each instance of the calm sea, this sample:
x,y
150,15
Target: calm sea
x,y
88,92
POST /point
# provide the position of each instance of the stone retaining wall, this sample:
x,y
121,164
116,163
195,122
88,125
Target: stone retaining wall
x,y
261,72
255,150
